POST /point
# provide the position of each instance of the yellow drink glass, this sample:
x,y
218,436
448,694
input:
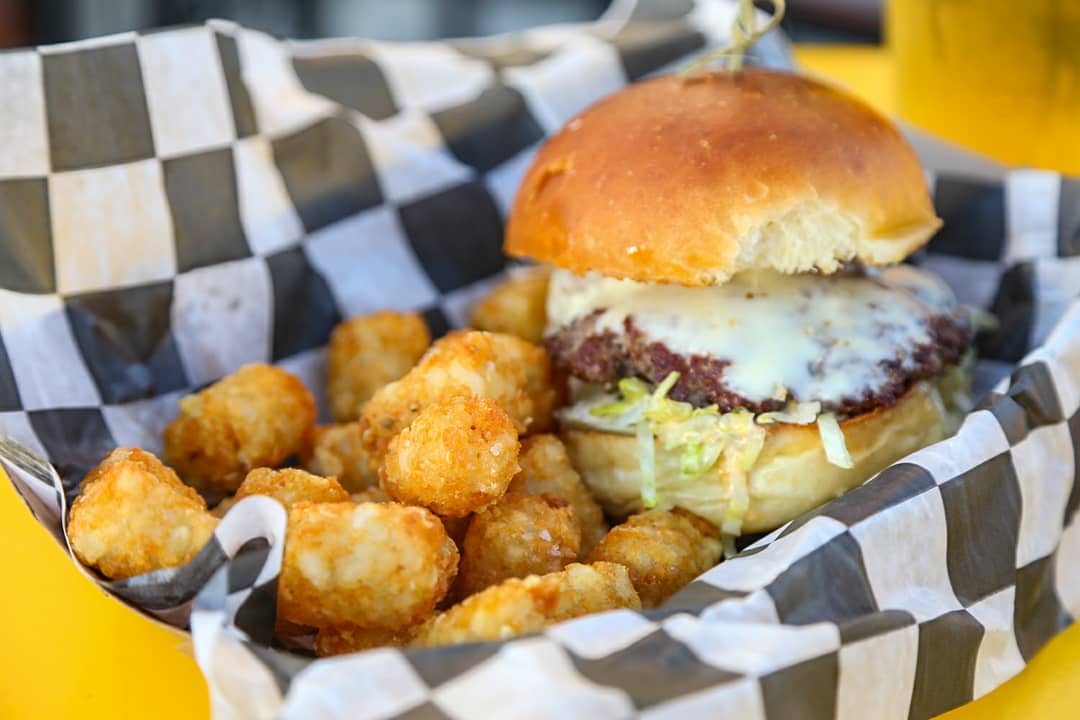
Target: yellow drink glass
x,y
999,76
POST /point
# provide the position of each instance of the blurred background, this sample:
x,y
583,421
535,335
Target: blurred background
x,y
31,22
998,76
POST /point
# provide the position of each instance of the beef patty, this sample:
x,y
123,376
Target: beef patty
x,y
604,356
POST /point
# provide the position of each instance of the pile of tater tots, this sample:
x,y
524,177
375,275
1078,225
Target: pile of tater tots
x,y
438,508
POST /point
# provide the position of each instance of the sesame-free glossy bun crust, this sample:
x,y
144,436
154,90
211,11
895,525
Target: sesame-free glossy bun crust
x,y
690,180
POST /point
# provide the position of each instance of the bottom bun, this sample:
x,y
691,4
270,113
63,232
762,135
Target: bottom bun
x,y
791,474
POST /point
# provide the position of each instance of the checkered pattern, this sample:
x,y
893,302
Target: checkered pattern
x,y
841,608
175,204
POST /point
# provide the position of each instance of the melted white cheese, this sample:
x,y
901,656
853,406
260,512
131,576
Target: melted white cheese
x,y
821,337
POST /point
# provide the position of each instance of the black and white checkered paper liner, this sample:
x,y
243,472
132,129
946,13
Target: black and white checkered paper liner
x,y
176,204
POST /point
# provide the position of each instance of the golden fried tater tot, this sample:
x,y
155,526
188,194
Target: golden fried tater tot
x,y
350,639
133,515
285,629
291,485
375,565
513,373
372,494
367,352
455,527
456,457
517,306
519,606
256,417
520,535
663,550
338,450
546,468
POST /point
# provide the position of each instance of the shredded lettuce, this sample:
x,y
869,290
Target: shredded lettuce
x,y
832,438
692,461
749,448
936,398
611,409
955,384
647,460
728,542
704,438
981,320
701,436
738,461
665,386
633,388
738,504
795,413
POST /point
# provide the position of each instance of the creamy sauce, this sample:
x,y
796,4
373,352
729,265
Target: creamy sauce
x,y
821,337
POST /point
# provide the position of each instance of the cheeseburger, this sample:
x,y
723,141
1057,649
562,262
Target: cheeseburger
x,y
727,297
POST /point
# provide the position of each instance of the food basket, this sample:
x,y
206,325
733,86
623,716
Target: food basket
x,y
178,203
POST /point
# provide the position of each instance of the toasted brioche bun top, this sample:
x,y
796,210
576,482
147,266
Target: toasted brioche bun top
x,y
691,180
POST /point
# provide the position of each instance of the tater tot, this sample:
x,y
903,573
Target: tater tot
x,y
291,485
133,516
517,306
520,535
519,606
546,468
514,373
455,527
256,417
374,565
663,550
372,494
338,450
350,639
367,352
456,457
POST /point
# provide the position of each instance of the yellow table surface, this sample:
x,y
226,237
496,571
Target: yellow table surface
x,y
115,664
